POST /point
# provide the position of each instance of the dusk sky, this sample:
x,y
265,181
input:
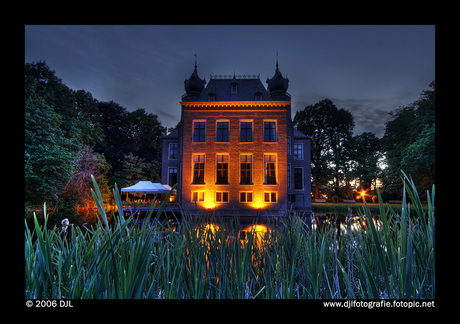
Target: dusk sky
x,y
369,70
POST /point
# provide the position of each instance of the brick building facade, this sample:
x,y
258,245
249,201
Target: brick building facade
x,y
235,149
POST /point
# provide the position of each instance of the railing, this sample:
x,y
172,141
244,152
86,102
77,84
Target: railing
x,y
133,206
223,77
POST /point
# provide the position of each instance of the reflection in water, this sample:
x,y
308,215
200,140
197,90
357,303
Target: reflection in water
x,y
341,223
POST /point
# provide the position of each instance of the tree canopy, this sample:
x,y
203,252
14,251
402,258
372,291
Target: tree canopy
x,y
409,143
69,135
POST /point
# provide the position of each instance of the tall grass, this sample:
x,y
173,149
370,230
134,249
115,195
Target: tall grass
x,y
394,258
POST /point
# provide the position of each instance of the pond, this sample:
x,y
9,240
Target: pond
x,y
340,222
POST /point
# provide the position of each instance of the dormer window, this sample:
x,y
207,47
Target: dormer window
x,y
234,87
258,96
211,96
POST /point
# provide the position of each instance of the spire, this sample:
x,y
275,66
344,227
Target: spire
x,y
194,85
278,83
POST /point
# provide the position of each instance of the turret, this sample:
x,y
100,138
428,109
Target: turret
x,y
278,85
194,86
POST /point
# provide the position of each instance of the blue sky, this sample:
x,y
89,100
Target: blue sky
x,y
369,70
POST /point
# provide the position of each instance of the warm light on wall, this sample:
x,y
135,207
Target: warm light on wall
x,y
210,203
258,201
234,104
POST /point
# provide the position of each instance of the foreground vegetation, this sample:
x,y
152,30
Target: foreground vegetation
x,y
193,259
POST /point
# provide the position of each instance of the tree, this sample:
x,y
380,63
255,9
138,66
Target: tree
x,y
340,130
59,123
146,131
47,153
88,118
77,192
134,169
409,143
118,137
331,129
137,133
367,153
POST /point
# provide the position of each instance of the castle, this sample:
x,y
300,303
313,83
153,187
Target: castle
x,y
236,150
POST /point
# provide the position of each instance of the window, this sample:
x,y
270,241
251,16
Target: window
x,y
246,169
270,131
258,96
222,169
270,168
211,96
221,196
198,196
199,131
172,176
246,131
298,151
270,197
198,169
298,178
289,176
289,145
234,87
246,196
173,151
222,132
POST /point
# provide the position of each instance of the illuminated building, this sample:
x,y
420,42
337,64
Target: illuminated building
x,y
235,150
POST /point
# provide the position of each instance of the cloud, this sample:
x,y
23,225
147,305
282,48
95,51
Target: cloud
x,y
370,114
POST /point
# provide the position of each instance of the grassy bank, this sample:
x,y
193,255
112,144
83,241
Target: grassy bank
x,y
199,258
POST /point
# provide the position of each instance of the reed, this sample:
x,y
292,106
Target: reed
x,y
207,258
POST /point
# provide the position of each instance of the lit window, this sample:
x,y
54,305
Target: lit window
x,y
270,197
222,169
198,196
270,132
270,168
199,131
198,169
246,196
246,168
221,196
222,134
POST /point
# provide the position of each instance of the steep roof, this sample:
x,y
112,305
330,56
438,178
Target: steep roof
x,y
298,134
223,89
